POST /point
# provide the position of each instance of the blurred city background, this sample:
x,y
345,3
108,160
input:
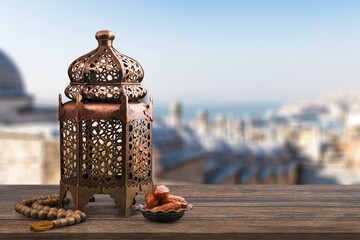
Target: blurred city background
x,y
245,92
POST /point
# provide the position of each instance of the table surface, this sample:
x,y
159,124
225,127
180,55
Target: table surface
x,y
226,212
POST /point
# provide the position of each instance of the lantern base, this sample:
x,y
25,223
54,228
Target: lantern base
x,y
123,196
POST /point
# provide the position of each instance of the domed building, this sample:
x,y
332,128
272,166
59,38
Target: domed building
x,y
28,133
17,106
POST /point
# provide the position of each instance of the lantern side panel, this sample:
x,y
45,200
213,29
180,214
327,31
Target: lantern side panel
x,y
139,147
102,153
68,139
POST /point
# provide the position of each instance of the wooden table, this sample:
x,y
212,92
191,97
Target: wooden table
x,y
220,212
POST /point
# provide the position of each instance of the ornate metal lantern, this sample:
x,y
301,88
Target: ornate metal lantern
x,y
105,129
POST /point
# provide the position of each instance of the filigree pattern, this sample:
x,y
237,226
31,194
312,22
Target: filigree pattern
x,y
72,90
68,151
101,160
135,92
139,162
133,71
104,92
76,68
103,67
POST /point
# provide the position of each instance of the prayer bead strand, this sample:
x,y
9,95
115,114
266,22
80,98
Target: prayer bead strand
x,y
44,207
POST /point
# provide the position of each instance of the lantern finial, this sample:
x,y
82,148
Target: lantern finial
x,y
105,37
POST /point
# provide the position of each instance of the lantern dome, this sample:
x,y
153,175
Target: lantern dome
x,y
11,83
104,73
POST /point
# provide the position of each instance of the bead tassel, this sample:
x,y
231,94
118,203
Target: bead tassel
x,y
44,207
41,226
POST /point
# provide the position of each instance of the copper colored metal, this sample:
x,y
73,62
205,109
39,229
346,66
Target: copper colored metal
x,y
105,131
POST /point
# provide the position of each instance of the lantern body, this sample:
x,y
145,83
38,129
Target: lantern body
x,y
105,130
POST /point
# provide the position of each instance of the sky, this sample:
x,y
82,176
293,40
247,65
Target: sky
x,y
192,50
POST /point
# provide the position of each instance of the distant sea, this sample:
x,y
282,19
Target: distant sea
x,y
190,111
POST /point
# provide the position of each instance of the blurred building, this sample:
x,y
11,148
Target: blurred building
x,y
326,132
178,155
17,106
225,151
28,154
28,158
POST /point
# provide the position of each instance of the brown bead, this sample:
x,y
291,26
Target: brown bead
x,y
81,214
57,223
46,208
35,204
70,221
63,222
51,215
60,215
18,206
23,209
56,202
62,210
40,207
34,213
51,202
77,218
28,212
69,211
43,214
71,214
53,209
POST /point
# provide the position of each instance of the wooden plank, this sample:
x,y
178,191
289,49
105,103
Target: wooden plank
x,y
186,225
227,212
240,213
211,192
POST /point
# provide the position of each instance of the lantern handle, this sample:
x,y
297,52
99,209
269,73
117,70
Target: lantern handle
x,y
61,110
149,110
